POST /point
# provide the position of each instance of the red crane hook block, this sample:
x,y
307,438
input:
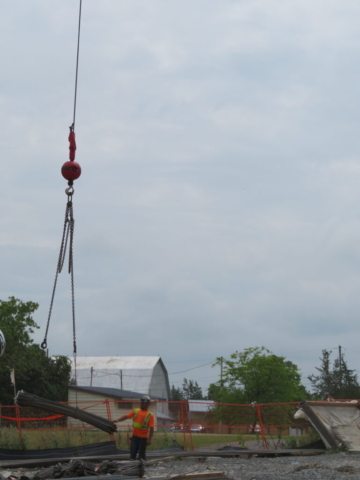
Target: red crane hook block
x,y
71,170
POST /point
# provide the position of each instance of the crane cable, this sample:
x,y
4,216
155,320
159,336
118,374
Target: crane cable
x,y
71,170
77,65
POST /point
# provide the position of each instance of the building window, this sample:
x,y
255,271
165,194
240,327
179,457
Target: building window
x,y
122,405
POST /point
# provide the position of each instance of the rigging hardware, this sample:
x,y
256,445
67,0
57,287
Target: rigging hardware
x,y
71,171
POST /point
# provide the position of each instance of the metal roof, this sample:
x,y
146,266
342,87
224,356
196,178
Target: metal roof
x,y
134,373
111,392
200,405
161,416
124,362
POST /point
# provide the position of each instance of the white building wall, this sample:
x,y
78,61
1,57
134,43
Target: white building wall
x,y
92,403
158,384
96,404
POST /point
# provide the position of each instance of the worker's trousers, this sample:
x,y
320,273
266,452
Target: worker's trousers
x,y
138,444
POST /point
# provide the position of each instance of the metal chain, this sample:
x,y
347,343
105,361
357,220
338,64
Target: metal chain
x,y
68,231
71,271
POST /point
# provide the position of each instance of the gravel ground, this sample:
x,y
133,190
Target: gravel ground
x,y
337,466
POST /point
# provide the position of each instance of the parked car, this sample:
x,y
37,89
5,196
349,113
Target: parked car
x,y
177,428
255,429
197,428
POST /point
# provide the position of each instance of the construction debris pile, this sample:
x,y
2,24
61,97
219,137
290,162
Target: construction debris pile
x,y
336,466
337,423
80,468
325,467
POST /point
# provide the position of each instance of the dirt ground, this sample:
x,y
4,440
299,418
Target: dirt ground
x,y
250,445
339,466
336,466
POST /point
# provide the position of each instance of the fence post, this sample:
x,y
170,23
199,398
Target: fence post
x,y
189,420
108,410
185,421
262,428
18,424
182,409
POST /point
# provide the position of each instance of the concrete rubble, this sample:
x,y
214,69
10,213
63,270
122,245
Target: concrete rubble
x,y
337,423
337,466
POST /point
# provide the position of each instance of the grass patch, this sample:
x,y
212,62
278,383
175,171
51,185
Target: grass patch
x,y
44,439
47,439
207,439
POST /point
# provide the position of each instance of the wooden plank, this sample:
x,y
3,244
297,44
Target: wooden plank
x,y
334,404
200,475
247,453
41,462
224,453
32,463
161,459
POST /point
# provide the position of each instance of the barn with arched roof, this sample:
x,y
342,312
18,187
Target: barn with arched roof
x,y
143,374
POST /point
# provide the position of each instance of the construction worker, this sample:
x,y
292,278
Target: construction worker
x,y
143,428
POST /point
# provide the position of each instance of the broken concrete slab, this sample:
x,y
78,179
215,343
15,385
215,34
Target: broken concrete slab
x,y
337,423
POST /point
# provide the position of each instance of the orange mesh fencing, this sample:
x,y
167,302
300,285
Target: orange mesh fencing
x,y
180,421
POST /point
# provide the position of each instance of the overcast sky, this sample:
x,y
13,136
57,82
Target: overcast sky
x,y
219,203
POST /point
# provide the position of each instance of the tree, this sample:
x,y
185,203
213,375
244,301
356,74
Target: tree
x,y
191,390
176,394
336,380
34,371
48,377
256,375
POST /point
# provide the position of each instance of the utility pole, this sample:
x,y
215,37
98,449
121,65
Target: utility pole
x,y
12,377
340,371
221,385
221,370
91,375
121,384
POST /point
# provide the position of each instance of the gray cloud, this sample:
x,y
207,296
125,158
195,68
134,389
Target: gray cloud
x,y
217,206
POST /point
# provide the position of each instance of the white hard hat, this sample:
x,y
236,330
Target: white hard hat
x,y
145,399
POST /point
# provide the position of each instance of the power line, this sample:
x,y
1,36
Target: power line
x,y
178,382
147,376
193,368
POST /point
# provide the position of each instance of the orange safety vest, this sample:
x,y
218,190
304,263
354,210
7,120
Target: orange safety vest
x,y
144,425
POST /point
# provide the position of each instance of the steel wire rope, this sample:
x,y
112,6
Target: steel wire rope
x,y
77,64
72,128
68,231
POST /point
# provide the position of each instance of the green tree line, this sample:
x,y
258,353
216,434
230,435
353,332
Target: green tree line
x,y
256,375
35,372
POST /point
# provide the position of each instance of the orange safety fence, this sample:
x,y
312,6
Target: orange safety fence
x,y
182,419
